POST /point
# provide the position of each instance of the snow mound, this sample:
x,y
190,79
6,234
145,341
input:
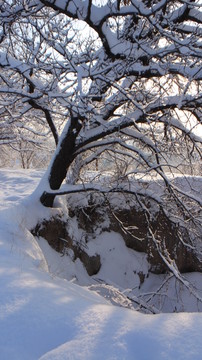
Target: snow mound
x,y
46,317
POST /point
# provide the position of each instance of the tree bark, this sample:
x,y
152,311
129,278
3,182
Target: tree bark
x,y
62,161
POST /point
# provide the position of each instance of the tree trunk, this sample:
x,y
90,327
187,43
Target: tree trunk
x,y
62,160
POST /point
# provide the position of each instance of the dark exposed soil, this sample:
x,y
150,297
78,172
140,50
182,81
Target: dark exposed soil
x,y
164,245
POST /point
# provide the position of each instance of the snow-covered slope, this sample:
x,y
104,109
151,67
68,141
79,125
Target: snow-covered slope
x,y
46,317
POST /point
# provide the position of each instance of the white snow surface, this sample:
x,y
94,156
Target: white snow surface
x,y
43,316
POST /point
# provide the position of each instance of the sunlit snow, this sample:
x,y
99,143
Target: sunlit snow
x,y
43,316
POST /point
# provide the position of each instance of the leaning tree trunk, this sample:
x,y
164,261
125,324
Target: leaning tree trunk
x,y
62,160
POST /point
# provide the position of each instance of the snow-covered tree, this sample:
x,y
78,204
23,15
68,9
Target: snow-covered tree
x,y
125,79
125,76
26,125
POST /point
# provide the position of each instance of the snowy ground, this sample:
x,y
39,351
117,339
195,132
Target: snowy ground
x,y
45,317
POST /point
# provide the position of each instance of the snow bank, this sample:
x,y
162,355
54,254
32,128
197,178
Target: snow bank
x,y
44,317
